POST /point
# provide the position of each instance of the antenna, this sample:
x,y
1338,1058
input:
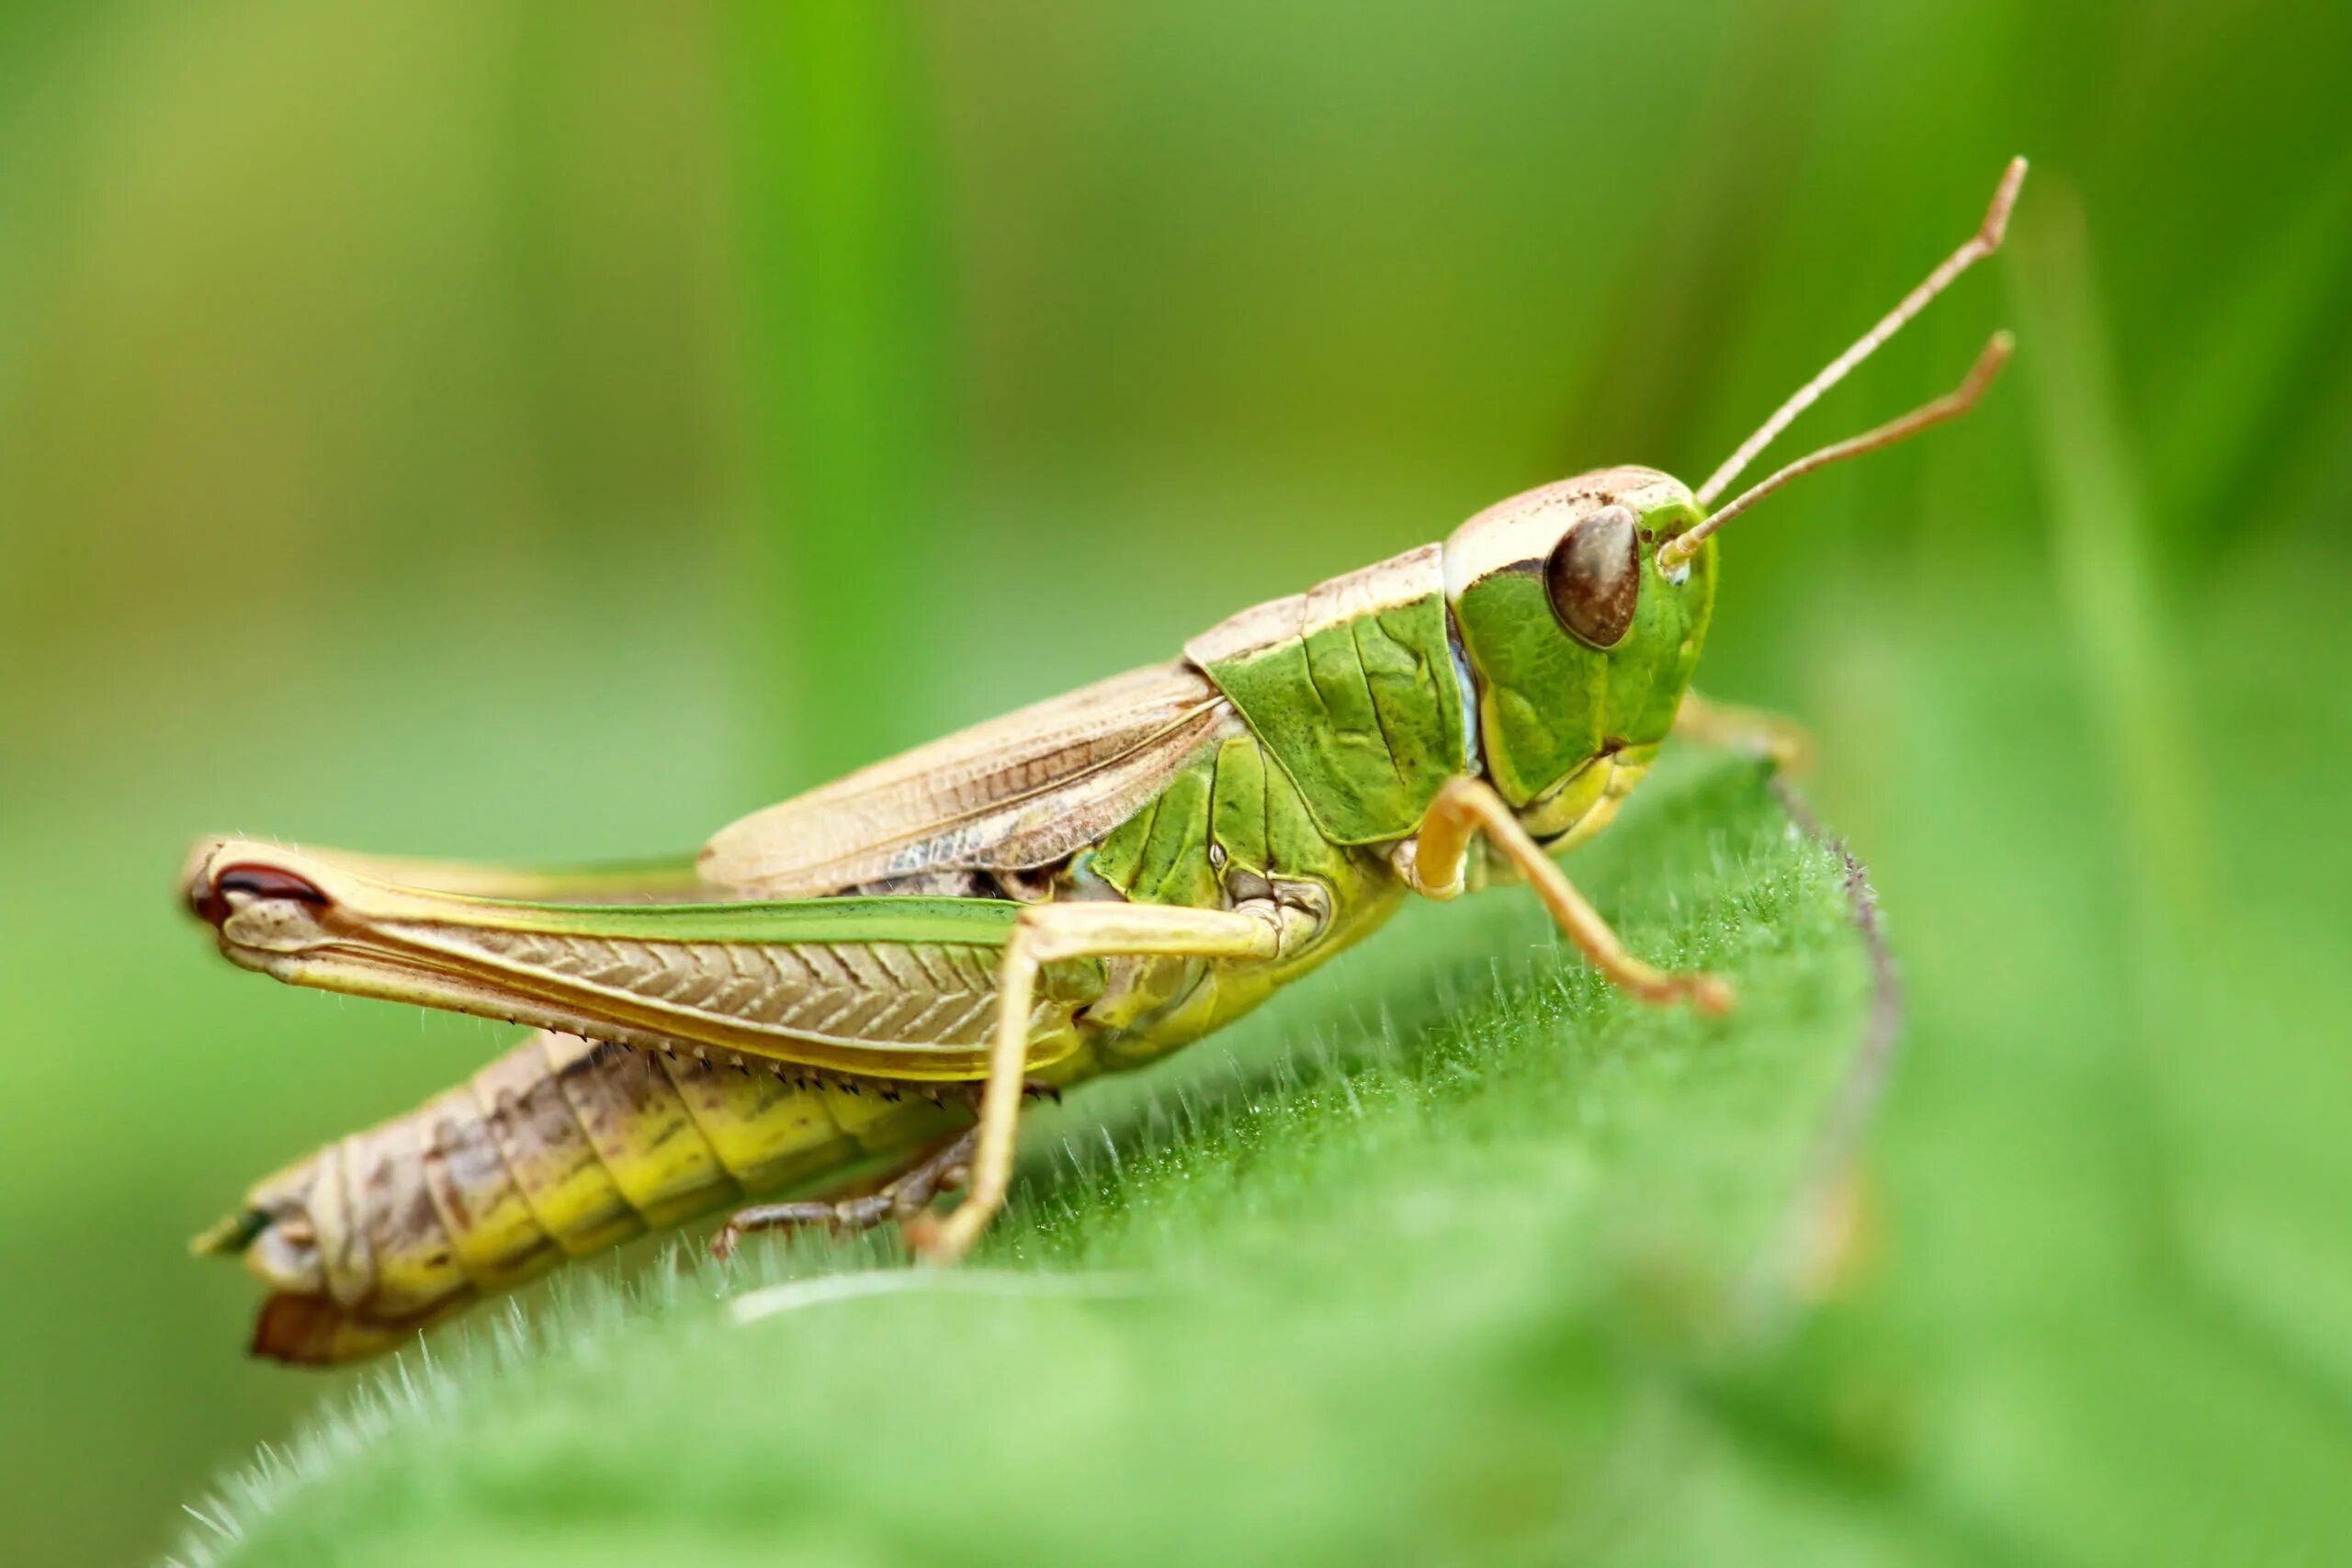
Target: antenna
x,y
1983,243
1677,552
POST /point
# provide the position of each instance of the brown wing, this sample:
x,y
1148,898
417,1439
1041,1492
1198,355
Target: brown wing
x,y
1016,793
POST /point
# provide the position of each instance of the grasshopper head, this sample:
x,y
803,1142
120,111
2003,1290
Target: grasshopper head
x,y
1582,605
1580,644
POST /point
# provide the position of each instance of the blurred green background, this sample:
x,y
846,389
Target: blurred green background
x,y
548,431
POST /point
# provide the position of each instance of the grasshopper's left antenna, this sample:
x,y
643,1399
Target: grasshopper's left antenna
x,y
1983,243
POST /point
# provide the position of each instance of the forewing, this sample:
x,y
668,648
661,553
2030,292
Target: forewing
x,y
1011,794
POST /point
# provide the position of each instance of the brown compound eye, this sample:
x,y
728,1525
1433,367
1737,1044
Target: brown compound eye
x,y
268,882
1594,578
210,896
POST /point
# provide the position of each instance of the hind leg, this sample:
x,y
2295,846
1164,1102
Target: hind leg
x,y
1044,933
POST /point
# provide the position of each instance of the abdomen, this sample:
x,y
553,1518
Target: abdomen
x,y
559,1148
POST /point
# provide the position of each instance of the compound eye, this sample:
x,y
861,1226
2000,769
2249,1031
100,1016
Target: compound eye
x,y
1594,578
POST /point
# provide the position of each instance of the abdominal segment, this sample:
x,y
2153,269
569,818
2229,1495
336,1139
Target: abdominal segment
x,y
562,1148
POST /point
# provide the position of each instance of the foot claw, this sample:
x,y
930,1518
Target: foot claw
x,y
1711,994
941,1240
923,1236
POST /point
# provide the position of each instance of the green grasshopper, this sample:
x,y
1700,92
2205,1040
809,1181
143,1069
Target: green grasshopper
x,y
1078,887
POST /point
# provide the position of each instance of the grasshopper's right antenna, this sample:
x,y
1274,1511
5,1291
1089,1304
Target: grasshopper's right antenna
x,y
1983,243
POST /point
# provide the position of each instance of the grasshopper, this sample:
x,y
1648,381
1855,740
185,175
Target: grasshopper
x,y
882,968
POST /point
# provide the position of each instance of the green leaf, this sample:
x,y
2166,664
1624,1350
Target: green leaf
x,y
1453,1252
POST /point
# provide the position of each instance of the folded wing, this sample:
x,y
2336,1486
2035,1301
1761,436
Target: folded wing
x,y
1015,794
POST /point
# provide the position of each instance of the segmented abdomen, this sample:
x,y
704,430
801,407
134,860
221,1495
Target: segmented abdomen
x,y
562,1148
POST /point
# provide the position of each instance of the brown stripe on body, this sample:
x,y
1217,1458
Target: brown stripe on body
x,y
499,1241
553,1163
640,1128
349,1261
416,1264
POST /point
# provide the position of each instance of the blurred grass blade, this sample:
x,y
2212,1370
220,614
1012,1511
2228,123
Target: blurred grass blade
x,y
2103,547
839,192
2259,339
